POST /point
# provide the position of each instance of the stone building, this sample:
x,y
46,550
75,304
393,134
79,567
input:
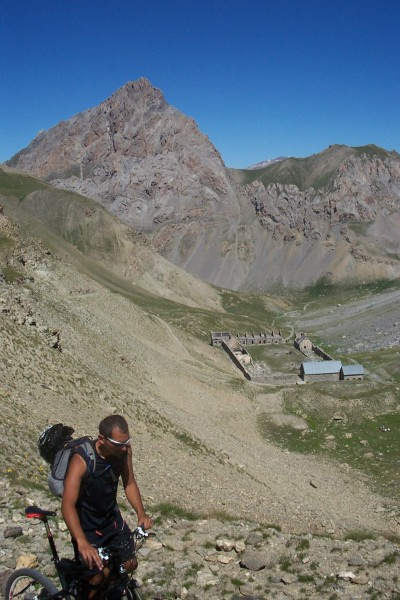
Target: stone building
x,y
303,343
246,339
217,337
255,339
352,372
325,370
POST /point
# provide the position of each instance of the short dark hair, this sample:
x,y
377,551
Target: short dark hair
x,y
113,422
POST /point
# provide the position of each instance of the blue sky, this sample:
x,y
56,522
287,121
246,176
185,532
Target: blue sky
x,y
260,78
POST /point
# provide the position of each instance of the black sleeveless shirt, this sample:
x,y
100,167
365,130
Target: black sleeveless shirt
x,y
97,506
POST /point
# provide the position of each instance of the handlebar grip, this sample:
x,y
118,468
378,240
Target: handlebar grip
x,y
140,531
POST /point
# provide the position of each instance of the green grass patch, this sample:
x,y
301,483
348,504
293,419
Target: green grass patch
x,y
5,243
14,184
244,313
193,570
11,274
359,535
253,307
392,558
303,544
386,364
222,516
359,227
167,510
328,294
237,582
359,441
286,563
306,578
188,440
280,358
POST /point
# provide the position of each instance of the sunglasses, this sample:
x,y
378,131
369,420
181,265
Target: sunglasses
x,y
119,444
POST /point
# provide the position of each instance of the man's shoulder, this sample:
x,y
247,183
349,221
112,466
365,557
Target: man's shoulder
x,y
85,449
77,465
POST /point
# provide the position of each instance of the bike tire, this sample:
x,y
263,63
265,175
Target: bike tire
x,y
29,584
133,591
133,595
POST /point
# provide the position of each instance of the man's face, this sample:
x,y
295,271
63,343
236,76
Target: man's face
x,y
117,443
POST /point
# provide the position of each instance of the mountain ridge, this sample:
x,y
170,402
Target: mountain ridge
x,y
286,225
265,163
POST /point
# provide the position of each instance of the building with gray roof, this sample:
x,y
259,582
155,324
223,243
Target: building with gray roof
x,y
325,370
352,372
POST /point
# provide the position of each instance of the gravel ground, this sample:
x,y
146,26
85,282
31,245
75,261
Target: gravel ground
x,y
379,327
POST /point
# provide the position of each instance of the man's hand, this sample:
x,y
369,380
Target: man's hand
x,y
145,521
90,555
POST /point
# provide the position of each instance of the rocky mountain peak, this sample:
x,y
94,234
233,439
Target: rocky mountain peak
x,y
136,95
134,153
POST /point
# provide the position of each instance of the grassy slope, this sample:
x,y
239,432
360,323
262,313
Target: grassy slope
x,y
314,171
98,243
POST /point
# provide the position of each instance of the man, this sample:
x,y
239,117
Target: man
x,y
89,502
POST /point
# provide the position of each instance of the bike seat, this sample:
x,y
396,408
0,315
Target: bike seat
x,y
34,512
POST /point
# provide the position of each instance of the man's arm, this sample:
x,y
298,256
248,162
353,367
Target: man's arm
x,y
132,492
76,472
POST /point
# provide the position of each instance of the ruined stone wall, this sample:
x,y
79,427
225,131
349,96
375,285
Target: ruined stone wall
x,y
321,353
236,360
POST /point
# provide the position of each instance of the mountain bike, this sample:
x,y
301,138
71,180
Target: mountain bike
x,y
30,584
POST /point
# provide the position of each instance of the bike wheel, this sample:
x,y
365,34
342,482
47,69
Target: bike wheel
x,y
132,595
133,592
29,584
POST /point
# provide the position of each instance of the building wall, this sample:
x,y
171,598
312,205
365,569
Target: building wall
x,y
321,353
305,345
237,362
321,377
262,338
217,337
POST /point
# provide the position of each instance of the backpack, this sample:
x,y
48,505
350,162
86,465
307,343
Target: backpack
x,y
52,439
55,445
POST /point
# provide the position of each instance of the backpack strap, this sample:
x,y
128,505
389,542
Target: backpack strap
x,y
90,456
86,449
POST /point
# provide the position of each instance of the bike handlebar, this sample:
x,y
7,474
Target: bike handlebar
x,y
140,532
107,552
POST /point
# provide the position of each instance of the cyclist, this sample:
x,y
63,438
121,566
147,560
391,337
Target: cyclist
x,y
89,503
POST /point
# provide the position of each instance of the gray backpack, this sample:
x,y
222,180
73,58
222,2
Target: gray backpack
x,y
59,465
